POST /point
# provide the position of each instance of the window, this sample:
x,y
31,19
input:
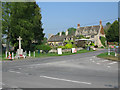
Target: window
x,y
92,36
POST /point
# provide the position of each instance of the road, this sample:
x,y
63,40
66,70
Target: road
x,y
73,71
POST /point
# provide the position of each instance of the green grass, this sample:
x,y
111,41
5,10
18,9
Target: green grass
x,y
41,55
106,56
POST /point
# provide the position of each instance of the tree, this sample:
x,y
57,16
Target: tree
x,y
6,28
71,31
108,24
112,34
25,21
58,33
44,40
63,33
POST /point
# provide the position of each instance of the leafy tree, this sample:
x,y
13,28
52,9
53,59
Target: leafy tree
x,y
103,39
112,34
58,33
45,48
108,24
6,12
44,40
71,31
63,33
25,21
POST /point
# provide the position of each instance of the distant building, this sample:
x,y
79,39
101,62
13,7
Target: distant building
x,y
93,32
59,39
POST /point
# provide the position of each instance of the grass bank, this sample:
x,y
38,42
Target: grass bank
x,y
109,57
42,55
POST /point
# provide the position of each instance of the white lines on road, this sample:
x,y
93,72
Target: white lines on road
x,y
14,71
104,60
2,83
97,63
90,59
112,63
65,80
108,66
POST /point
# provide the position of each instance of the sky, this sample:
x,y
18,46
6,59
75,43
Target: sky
x,y
59,16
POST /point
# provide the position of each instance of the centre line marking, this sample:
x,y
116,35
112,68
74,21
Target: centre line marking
x,y
14,71
65,80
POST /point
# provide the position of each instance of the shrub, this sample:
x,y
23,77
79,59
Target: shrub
x,y
68,46
63,47
92,44
45,48
101,47
103,39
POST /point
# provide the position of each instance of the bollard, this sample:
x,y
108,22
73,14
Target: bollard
x,y
12,55
9,53
29,54
34,53
108,51
115,54
6,54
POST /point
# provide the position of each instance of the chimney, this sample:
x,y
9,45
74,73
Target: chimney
x,y
78,25
60,34
66,33
100,22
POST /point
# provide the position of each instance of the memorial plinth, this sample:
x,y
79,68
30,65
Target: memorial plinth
x,y
19,51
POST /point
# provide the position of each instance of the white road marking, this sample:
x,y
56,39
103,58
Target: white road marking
x,y
97,63
14,71
112,63
105,60
11,71
108,66
2,83
18,72
91,59
19,68
65,80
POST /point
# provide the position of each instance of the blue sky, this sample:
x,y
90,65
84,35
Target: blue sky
x,y
59,16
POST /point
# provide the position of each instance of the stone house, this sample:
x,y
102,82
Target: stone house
x,y
59,39
93,32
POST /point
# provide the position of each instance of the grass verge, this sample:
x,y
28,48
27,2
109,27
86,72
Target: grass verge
x,y
109,57
42,55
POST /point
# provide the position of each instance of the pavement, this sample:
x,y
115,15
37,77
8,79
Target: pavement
x,y
72,71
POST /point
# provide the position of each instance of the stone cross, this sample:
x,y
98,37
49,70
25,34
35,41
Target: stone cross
x,y
19,42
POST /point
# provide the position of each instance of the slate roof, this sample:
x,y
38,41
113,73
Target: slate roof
x,y
57,38
89,30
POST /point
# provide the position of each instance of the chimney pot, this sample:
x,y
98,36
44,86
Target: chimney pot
x,y
100,22
78,25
